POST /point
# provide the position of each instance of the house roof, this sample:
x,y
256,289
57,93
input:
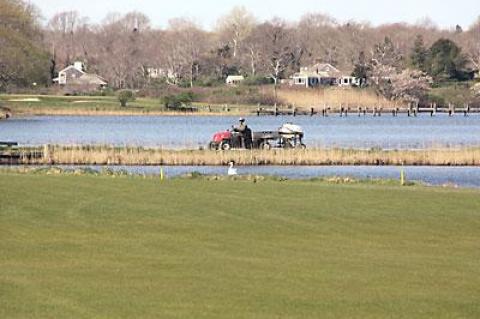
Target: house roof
x,y
305,74
89,79
72,67
235,77
319,68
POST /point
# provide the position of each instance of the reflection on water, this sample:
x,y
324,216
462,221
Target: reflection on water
x,y
459,176
194,131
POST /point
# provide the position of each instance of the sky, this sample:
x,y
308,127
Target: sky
x,y
445,13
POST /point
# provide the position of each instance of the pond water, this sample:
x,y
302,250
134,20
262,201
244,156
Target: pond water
x,y
194,131
466,177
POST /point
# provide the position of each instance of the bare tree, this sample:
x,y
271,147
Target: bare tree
x,y
120,41
236,26
278,49
253,50
63,32
472,44
187,44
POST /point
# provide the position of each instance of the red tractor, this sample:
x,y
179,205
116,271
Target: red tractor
x,y
287,136
222,141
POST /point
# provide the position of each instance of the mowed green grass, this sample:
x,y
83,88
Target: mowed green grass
x,y
21,103
102,247
44,103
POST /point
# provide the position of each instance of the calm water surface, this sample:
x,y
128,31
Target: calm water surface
x,y
194,131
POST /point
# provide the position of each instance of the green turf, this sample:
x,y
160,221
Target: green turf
x,y
103,247
20,104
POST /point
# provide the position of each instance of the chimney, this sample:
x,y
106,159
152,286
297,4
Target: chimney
x,y
79,66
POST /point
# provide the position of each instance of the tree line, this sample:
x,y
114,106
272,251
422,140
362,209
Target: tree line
x,y
125,48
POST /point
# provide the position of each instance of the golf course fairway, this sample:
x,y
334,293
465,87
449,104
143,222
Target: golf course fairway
x,y
103,247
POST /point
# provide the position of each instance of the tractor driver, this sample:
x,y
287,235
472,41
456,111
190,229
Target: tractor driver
x,y
245,134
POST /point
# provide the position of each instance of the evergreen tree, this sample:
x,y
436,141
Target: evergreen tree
x,y
361,68
418,57
446,61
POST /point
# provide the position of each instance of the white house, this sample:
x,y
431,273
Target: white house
x,y
235,79
160,73
323,74
76,75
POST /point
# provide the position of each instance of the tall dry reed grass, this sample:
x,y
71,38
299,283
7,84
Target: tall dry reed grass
x,y
334,98
105,155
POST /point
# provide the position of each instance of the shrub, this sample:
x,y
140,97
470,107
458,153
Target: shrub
x,y
257,80
176,101
208,82
125,96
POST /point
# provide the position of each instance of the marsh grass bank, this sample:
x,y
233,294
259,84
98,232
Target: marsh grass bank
x,y
108,155
96,246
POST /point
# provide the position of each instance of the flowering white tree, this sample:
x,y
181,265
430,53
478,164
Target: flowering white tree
x,y
410,85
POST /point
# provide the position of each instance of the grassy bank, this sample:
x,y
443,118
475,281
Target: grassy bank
x,y
101,155
86,246
221,100
105,105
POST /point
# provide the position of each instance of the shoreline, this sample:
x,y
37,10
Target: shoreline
x,y
318,112
126,113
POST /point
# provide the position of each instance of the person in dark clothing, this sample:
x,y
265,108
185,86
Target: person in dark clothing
x,y
245,134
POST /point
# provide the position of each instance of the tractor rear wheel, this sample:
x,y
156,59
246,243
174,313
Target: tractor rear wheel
x,y
225,146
